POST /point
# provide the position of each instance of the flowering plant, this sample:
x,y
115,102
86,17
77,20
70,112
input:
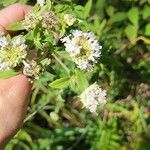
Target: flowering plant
x,y
65,80
53,41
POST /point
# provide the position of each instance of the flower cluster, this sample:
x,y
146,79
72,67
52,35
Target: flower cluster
x,y
92,97
31,69
83,48
31,21
50,20
12,53
45,30
69,19
46,19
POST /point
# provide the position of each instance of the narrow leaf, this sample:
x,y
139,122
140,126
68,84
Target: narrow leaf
x,y
118,17
60,83
15,27
146,12
9,2
147,29
133,15
8,74
81,80
87,8
131,32
23,135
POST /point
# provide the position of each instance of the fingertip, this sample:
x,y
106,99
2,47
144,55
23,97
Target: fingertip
x,y
18,86
23,80
19,83
13,13
21,7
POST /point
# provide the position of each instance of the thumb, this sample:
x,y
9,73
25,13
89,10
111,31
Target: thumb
x,y
12,14
14,94
17,87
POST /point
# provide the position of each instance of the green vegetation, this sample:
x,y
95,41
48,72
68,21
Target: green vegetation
x,y
56,119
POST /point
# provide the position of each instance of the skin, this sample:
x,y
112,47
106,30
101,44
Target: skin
x,y
14,92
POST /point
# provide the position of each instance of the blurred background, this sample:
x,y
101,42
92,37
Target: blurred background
x,y
60,123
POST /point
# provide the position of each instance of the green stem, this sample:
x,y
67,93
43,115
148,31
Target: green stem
x,y
60,62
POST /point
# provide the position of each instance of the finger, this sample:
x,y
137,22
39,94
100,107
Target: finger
x,y
18,87
12,14
14,98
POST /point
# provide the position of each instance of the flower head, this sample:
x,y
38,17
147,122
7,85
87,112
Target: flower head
x,y
49,20
92,97
12,53
31,20
46,19
31,69
41,2
83,48
69,19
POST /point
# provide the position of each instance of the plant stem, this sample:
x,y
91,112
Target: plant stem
x,y
60,62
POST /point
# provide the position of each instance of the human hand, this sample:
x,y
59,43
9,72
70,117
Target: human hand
x,y
14,92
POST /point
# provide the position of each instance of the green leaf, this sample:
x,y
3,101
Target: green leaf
x,y
23,135
8,74
60,83
46,62
100,5
146,12
102,26
133,15
131,32
147,29
79,11
82,82
64,55
49,4
36,8
110,10
98,26
15,27
9,2
118,17
87,8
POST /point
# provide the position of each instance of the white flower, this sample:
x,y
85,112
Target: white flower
x,y
3,41
46,19
31,69
19,41
4,66
31,20
41,2
50,20
92,97
69,19
83,48
12,54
